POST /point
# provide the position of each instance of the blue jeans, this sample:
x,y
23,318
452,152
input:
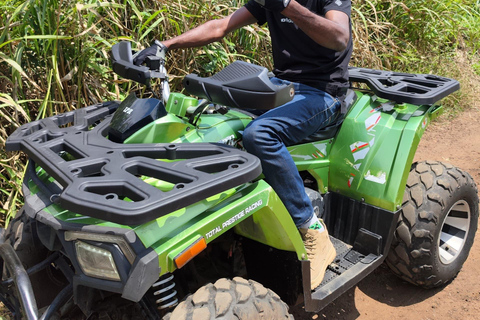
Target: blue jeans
x,y
268,136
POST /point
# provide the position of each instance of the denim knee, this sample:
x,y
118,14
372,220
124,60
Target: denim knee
x,y
255,136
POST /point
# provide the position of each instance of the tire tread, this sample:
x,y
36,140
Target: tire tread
x,y
431,186
231,299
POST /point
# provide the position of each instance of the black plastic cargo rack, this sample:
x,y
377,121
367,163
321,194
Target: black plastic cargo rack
x,y
419,89
101,178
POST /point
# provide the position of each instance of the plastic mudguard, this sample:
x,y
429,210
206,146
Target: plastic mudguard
x,y
103,179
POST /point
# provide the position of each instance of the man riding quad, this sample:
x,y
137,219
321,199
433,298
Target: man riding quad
x,y
312,46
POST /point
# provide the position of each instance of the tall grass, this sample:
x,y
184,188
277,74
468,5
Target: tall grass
x,y
54,58
54,53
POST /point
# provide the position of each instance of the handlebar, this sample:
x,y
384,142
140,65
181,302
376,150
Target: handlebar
x,y
122,64
240,84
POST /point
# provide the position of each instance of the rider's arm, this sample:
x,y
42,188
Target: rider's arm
x,y
332,32
211,31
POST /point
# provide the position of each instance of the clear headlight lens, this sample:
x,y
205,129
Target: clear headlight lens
x,y
96,262
108,238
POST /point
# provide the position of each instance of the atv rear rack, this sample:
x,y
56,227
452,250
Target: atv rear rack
x,y
419,89
102,179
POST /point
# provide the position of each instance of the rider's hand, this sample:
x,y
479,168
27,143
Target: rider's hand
x,y
273,5
156,49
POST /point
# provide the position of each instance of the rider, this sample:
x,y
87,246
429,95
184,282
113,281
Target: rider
x,y
312,46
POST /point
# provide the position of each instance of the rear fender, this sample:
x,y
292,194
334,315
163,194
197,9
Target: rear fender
x,y
372,154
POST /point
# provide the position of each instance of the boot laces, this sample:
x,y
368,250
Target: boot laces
x,y
310,243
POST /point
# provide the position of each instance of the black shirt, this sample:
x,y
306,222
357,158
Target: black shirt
x,y
297,57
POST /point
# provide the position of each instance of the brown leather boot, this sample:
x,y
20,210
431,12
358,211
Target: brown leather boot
x,y
320,252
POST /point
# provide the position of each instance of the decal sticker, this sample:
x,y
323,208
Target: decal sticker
x,y
372,121
360,155
358,145
321,149
301,156
229,141
318,154
213,232
350,180
424,123
359,150
127,110
380,178
234,219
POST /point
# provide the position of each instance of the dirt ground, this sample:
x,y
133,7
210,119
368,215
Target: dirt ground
x,y
382,295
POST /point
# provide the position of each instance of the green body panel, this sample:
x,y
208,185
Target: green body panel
x,y
174,127
369,160
314,158
272,225
371,156
162,130
218,128
179,103
254,209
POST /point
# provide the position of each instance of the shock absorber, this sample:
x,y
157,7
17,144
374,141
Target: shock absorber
x,y
164,292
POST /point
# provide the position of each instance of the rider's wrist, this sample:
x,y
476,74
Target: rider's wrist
x,y
160,45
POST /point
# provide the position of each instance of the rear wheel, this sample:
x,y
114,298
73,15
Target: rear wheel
x,y
437,225
231,299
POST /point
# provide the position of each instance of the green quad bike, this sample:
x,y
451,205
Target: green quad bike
x,y
150,209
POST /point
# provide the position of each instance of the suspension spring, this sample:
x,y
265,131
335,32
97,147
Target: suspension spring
x,y
164,292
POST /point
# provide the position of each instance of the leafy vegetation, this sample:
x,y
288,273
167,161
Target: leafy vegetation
x,y
54,53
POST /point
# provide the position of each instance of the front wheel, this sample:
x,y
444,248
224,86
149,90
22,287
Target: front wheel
x,y
231,299
437,225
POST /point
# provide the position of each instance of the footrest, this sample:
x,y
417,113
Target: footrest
x,y
348,268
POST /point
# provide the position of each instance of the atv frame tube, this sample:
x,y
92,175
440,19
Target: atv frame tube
x,y
21,281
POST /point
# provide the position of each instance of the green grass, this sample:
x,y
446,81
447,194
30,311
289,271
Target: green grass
x,y
54,54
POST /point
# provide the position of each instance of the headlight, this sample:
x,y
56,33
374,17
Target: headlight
x,y
108,238
96,262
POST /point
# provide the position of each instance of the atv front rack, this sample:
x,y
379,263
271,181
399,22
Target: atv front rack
x,y
105,180
418,89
